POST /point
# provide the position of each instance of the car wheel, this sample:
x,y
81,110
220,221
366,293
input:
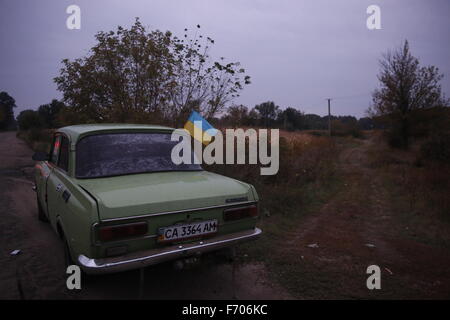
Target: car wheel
x,y
41,215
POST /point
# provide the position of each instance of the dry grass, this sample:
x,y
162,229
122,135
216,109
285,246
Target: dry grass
x,y
304,160
419,191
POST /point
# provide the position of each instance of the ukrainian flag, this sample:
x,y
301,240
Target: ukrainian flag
x,y
197,126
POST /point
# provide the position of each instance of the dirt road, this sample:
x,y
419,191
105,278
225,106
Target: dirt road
x,y
38,272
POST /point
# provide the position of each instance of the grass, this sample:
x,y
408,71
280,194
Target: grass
x,y
416,195
418,191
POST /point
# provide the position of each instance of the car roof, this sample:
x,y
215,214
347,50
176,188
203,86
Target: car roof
x,y
76,131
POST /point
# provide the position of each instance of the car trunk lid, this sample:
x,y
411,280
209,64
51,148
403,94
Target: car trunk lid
x,y
134,195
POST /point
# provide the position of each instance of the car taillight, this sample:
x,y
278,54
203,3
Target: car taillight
x,y
109,233
240,213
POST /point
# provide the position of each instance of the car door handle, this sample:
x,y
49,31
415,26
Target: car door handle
x,y
66,195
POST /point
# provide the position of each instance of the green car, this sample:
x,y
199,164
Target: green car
x,y
114,196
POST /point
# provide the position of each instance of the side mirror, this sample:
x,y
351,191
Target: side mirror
x,y
40,156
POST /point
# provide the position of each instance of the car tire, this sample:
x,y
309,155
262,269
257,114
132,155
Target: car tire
x,y
41,215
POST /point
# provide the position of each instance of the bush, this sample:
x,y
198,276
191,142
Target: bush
x,y
29,119
437,147
316,133
419,124
37,139
342,129
394,138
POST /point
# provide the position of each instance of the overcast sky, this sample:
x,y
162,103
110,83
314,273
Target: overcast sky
x,y
297,52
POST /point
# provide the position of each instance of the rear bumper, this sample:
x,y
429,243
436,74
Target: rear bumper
x,y
155,256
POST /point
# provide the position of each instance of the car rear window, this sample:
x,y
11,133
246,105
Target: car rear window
x,y
114,154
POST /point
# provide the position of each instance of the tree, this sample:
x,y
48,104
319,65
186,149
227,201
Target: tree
x,y
49,112
253,118
29,119
314,122
7,105
404,87
291,119
199,79
237,115
268,112
135,75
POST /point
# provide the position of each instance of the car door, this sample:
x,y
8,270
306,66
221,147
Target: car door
x,y
42,174
59,163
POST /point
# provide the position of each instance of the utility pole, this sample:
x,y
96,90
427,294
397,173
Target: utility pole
x,y
329,117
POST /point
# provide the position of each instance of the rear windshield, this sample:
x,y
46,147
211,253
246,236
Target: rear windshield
x,y
116,154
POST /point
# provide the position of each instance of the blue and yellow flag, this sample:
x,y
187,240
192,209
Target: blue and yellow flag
x,y
199,128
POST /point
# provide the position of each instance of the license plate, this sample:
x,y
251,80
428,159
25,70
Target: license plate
x,y
187,231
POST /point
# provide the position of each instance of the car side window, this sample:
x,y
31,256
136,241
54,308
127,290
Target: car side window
x,y
63,160
55,149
